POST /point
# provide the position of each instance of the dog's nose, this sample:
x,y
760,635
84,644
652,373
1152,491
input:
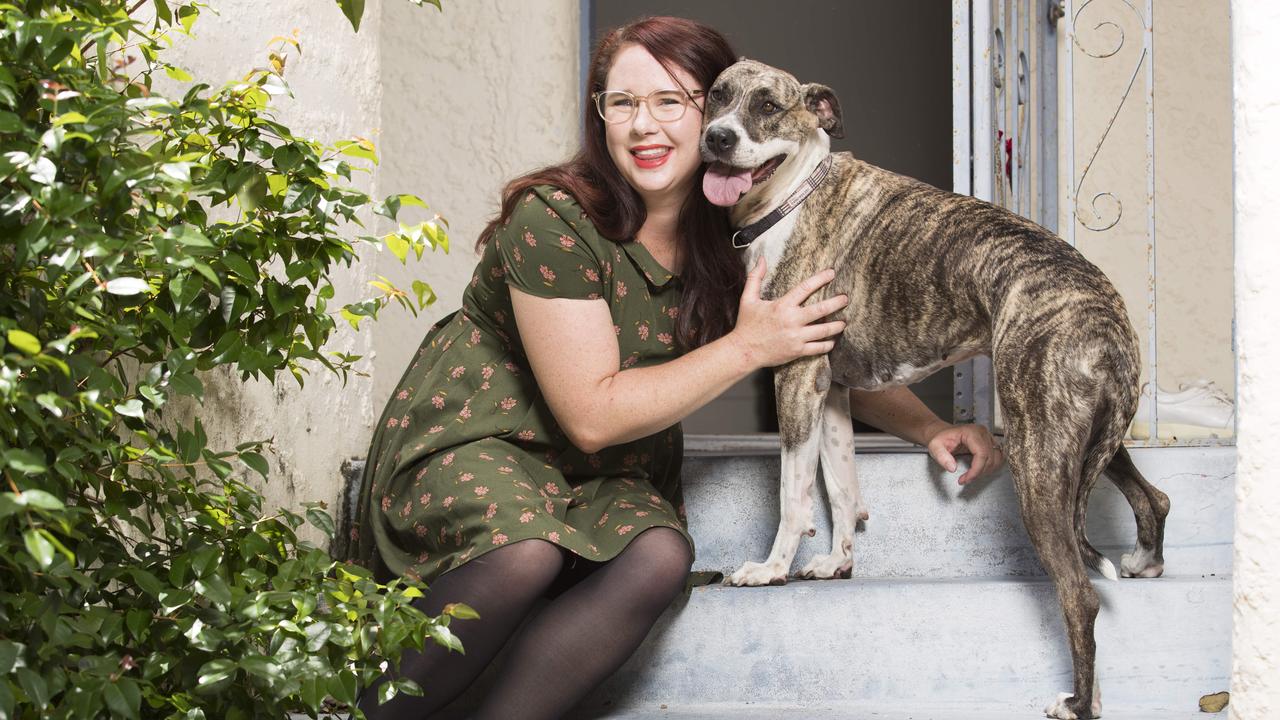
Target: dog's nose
x,y
721,139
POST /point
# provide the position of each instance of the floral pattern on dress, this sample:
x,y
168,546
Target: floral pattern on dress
x,y
468,457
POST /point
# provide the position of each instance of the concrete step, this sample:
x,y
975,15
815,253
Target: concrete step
x,y
917,645
828,712
924,525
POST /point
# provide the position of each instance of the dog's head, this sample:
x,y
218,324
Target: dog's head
x,y
757,119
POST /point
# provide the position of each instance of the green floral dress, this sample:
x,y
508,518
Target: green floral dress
x,y
467,457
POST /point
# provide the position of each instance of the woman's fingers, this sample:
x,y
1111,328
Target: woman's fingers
x,y
751,288
824,308
811,285
823,331
819,347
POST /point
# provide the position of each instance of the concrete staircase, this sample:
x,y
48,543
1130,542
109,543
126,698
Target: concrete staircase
x,y
949,614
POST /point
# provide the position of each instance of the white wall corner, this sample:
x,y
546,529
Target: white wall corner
x,y
1255,679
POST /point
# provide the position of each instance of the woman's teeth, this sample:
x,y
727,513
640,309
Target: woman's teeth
x,y
650,154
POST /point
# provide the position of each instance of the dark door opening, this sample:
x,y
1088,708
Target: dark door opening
x,y
889,62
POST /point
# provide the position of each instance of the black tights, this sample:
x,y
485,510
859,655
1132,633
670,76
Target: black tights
x,y
569,647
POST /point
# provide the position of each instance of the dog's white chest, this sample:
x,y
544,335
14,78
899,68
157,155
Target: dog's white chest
x,y
771,245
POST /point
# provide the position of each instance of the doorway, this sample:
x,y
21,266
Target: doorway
x,y
889,63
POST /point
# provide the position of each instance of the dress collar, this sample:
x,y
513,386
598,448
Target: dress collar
x,y
653,271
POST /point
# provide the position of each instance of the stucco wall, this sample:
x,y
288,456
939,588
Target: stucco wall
x,y
337,95
1255,682
472,98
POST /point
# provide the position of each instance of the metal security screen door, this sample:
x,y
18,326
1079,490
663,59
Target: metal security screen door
x,y
1063,129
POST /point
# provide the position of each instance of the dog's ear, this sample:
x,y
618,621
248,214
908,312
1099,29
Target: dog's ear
x,y
821,101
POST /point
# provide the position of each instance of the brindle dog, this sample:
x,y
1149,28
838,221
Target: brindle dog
x,y
933,278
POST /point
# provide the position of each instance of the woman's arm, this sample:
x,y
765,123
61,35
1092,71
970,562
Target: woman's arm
x,y
899,412
574,354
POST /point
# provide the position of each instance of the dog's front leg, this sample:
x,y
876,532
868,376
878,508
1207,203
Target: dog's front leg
x,y
843,491
801,388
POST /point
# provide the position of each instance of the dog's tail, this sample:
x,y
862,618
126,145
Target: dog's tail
x,y
1105,440
1095,559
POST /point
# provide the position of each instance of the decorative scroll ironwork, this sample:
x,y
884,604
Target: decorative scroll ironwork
x,y
1099,222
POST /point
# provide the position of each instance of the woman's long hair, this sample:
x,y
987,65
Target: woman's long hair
x,y
712,272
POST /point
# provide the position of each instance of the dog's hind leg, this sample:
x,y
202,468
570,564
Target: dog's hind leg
x,y
801,389
843,490
1150,508
1046,476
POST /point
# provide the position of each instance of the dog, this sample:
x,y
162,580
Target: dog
x,y
933,278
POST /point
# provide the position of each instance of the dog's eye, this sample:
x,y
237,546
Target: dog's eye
x,y
768,107
716,95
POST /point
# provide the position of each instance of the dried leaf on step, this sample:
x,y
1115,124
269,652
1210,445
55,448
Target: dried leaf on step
x,y
1215,702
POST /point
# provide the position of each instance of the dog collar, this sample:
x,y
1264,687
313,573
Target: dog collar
x,y
747,235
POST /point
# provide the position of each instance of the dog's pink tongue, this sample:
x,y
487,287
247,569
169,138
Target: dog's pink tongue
x,y
723,185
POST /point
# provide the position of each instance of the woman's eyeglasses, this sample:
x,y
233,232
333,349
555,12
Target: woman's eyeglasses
x,y
619,106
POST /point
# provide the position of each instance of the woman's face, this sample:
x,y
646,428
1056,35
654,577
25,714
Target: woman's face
x,y
658,159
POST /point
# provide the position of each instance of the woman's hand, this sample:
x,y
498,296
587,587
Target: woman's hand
x,y
988,456
773,332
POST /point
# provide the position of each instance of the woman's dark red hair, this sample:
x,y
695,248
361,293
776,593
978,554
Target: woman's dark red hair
x,y
712,272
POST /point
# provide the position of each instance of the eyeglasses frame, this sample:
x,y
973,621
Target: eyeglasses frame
x,y
691,99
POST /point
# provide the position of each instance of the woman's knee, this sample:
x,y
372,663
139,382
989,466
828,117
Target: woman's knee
x,y
532,562
665,558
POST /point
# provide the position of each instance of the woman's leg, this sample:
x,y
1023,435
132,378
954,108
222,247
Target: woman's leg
x,y
586,634
501,585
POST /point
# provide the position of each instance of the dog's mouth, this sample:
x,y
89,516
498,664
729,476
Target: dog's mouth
x,y
724,185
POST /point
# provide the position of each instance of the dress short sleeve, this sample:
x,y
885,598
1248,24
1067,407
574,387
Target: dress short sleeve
x,y
543,254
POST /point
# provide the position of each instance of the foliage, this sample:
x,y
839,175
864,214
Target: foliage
x,y
145,240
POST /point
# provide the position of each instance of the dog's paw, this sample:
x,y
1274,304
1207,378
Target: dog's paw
x,y
1140,564
1058,708
826,567
754,574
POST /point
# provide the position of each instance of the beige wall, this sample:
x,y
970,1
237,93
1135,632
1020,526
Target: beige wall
x,y
472,98
1184,215
337,95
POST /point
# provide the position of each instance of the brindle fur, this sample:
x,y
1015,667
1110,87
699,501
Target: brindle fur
x,y
934,278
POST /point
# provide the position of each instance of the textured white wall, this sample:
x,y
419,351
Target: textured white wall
x,y
472,97
1255,681
337,95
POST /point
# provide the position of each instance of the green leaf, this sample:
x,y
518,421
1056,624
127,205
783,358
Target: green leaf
x,y
398,245
215,671
131,408
9,122
25,461
187,15
238,265
353,9
425,294
149,583
24,341
10,656
178,73
186,384
123,697
34,685
257,462
321,519
444,637
40,499
460,611
39,548
127,286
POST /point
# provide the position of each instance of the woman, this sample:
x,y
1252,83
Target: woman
x,y
532,447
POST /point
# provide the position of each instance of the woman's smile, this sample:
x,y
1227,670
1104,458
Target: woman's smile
x,y
648,157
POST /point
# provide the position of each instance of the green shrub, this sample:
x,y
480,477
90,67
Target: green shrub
x,y
145,240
